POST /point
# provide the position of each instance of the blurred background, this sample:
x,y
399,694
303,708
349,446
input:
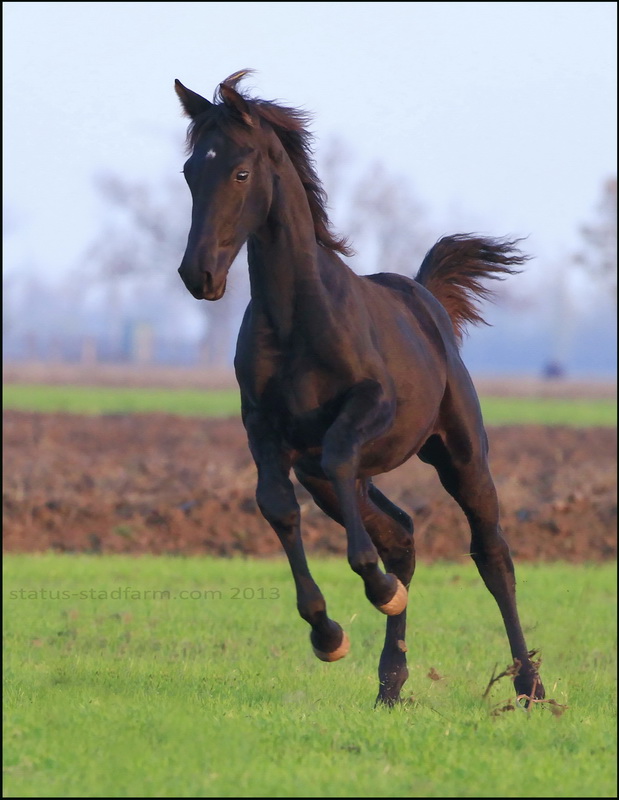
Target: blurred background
x,y
430,118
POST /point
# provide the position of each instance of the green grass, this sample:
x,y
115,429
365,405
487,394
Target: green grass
x,y
111,691
548,411
191,402
128,400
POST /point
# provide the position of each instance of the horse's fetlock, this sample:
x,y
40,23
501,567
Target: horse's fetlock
x,y
311,610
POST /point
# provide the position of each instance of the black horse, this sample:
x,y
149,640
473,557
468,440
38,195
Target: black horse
x,y
343,377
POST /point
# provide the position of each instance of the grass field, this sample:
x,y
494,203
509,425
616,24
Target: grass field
x,y
193,402
112,400
115,688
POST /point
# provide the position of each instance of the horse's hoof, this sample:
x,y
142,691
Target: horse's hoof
x,y
531,688
398,602
336,654
387,701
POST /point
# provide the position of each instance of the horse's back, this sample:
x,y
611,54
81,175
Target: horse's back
x,y
424,307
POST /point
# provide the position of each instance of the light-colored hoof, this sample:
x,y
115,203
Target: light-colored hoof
x,y
398,602
335,655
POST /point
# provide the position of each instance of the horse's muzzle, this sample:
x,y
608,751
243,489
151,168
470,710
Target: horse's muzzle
x,y
213,293
205,288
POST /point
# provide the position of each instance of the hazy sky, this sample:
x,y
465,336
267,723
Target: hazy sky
x,y
501,115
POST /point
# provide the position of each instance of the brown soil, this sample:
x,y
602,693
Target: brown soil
x,y
162,484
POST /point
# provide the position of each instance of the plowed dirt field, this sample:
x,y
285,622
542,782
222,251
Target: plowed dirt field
x,y
164,484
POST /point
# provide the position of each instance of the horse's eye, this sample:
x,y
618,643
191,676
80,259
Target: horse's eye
x,y
242,176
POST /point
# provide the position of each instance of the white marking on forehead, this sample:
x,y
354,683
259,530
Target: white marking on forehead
x,y
211,154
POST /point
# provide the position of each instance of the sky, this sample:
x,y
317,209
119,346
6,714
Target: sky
x,y
502,116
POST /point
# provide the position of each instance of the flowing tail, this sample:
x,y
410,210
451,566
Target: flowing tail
x,y
454,268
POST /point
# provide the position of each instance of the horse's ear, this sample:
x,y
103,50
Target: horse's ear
x,y
193,104
236,102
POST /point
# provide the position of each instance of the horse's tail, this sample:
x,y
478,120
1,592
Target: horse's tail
x,y
454,268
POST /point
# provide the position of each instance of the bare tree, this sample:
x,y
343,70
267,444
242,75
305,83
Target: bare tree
x,y
143,243
388,223
599,256
146,228
380,212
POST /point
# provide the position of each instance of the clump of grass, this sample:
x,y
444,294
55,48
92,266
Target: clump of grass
x,y
523,701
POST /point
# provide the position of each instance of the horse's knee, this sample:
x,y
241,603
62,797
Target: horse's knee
x,y
337,460
278,505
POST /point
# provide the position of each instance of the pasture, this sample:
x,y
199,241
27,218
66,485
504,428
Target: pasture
x,y
497,410
168,676
173,677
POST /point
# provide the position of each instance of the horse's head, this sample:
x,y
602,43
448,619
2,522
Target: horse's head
x,y
230,181
242,150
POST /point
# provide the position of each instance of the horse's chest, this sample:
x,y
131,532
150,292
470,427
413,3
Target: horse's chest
x,y
302,407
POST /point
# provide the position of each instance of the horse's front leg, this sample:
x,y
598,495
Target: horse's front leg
x,y
391,530
364,416
277,502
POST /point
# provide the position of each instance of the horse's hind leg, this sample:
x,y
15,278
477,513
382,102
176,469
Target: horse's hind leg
x,y
277,502
460,458
391,530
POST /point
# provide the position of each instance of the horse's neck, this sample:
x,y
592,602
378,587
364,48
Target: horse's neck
x,y
285,264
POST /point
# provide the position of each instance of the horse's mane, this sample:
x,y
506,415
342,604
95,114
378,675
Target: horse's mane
x,y
291,127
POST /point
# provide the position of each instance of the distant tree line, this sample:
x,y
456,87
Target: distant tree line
x,y
135,305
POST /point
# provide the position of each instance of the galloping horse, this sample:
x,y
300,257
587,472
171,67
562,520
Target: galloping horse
x,y
343,377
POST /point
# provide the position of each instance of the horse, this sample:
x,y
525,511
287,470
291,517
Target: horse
x,y
343,377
